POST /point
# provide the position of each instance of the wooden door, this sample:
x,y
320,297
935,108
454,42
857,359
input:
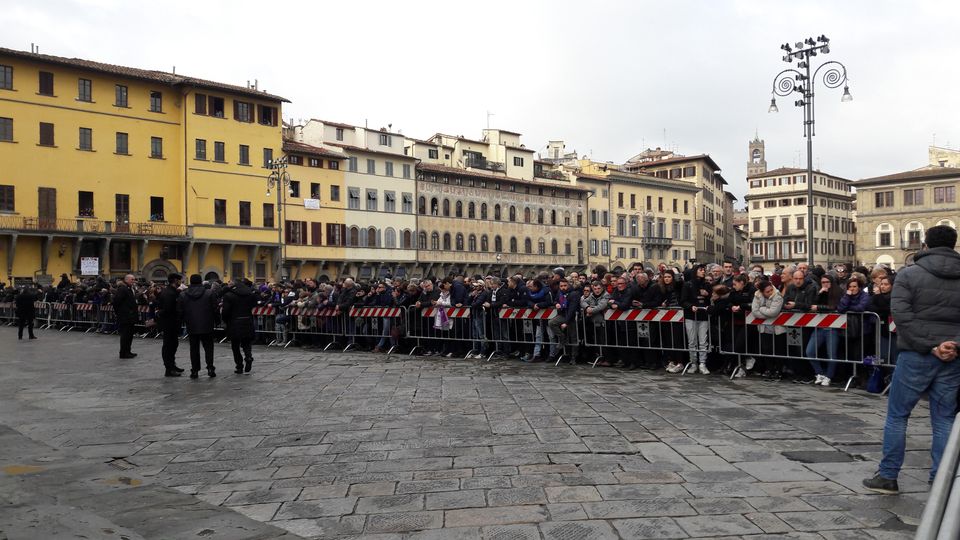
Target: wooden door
x,y
47,211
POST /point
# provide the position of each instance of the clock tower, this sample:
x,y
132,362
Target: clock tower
x,y
757,162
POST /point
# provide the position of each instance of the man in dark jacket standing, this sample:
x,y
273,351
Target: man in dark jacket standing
x,y
169,323
26,311
926,307
125,310
198,308
238,304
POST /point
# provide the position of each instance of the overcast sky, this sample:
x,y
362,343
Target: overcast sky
x,y
608,77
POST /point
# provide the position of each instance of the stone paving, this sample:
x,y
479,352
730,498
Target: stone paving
x,y
323,445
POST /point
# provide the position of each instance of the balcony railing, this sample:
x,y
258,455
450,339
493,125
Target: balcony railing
x,y
657,241
90,226
482,163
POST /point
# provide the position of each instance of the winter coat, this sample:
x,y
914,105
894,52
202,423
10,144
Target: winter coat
x,y
880,304
803,297
238,304
622,299
599,303
167,308
24,304
540,299
347,298
198,309
768,308
690,297
649,297
125,305
458,293
569,306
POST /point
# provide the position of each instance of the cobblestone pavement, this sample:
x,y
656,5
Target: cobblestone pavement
x,y
324,445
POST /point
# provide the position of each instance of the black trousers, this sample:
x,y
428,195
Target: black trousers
x,y
241,344
23,321
126,338
195,341
170,345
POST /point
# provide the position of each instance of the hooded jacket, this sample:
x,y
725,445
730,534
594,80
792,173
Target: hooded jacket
x,y
926,300
238,304
198,309
167,308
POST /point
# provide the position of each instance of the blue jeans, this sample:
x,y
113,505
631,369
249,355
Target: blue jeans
x,y
479,339
819,337
915,374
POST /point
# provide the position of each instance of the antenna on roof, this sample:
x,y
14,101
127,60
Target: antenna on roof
x,y
174,70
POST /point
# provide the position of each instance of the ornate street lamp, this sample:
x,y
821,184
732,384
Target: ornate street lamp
x,y
279,179
802,82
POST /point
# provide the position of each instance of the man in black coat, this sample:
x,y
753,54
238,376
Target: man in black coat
x,y
169,322
125,310
238,304
197,307
26,311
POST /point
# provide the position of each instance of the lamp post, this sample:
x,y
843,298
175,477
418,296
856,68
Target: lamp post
x,y
279,179
801,81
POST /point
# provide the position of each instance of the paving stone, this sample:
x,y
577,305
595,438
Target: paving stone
x,y
316,508
566,512
642,491
424,486
726,489
502,515
782,504
486,482
778,471
720,506
449,500
819,521
515,496
403,522
768,522
638,508
561,494
449,533
390,503
261,496
323,527
648,528
259,512
577,530
372,489
796,489
511,532
331,491
648,477
717,526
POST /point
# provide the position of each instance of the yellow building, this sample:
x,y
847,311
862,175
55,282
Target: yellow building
x,y
145,171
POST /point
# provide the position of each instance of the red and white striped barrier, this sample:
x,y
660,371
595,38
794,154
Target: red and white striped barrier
x,y
311,312
644,315
376,312
892,325
263,310
89,307
453,312
528,313
58,305
105,307
802,320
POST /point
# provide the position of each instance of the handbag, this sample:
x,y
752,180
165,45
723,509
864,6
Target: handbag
x,y
441,321
875,382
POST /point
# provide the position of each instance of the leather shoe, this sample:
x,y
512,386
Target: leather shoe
x,y
33,337
239,369
211,372
128,356
193,374
178,369
171,373
248,365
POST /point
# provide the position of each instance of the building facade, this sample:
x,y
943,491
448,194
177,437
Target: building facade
x,y
142,171
894,211
379,190
701,171
777,209
481,208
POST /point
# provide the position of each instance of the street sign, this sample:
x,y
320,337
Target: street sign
x,y
89,266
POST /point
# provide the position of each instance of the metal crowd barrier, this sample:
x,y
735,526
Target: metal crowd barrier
x,y
371,324
421,328
759,337
524,327
941,515
42,314
660,329
8,315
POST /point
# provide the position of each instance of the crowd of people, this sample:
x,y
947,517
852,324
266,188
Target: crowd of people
x,y
714,298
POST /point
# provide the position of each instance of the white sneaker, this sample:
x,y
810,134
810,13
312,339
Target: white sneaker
x,y
825,381
749,363
674,368
703,369
740,374
669,367
818,380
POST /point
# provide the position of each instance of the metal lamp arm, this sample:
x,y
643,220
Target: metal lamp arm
x,y
783,83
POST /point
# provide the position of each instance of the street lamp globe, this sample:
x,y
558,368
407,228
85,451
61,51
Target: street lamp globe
x,y
846,97
773,106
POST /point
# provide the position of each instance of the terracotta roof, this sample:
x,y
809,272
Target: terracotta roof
x,y
432,167
458,137
142,74
335,124
367,150
790,171
926,173
303,148
672,160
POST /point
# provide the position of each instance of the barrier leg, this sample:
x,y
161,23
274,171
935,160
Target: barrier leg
x,y
853,376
